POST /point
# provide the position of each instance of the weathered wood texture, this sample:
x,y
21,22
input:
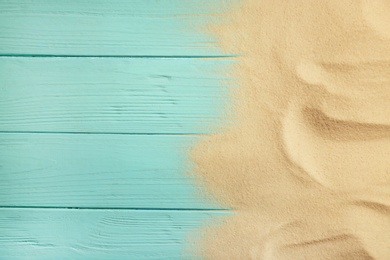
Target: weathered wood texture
x,y
112,95
115,27
98,234
100,101
111,171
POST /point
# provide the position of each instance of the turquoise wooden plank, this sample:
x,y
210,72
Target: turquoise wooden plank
x,y
99,234
112,95
84,170
116,27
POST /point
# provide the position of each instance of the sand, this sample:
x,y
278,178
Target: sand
x,y
306,163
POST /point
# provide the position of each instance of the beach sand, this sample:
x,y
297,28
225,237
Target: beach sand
x,y
306,163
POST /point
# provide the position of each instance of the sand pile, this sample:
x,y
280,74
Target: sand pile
x,y
306,164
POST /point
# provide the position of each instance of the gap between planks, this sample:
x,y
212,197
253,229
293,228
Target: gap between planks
x,y
121,56
98,133
115,209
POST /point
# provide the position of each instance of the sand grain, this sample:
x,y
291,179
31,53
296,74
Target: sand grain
x,y
308,154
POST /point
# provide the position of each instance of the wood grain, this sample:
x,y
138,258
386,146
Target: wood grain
x,y
116,27
98,234
83,170
100,102
112,95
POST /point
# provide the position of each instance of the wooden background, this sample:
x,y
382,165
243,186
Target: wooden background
x,y
99,103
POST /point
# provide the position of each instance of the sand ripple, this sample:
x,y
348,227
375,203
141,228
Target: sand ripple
x,y
306,166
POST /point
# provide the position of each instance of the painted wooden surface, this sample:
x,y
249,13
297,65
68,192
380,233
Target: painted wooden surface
x,y
111,95
103,171
99,234
100,102
115,27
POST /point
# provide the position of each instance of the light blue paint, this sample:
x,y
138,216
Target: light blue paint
x,y
99,234
112,95
88,120
115,27
105,171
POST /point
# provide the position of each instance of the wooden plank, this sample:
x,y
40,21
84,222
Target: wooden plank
x,y
82,170
112,95
116,27
98,234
